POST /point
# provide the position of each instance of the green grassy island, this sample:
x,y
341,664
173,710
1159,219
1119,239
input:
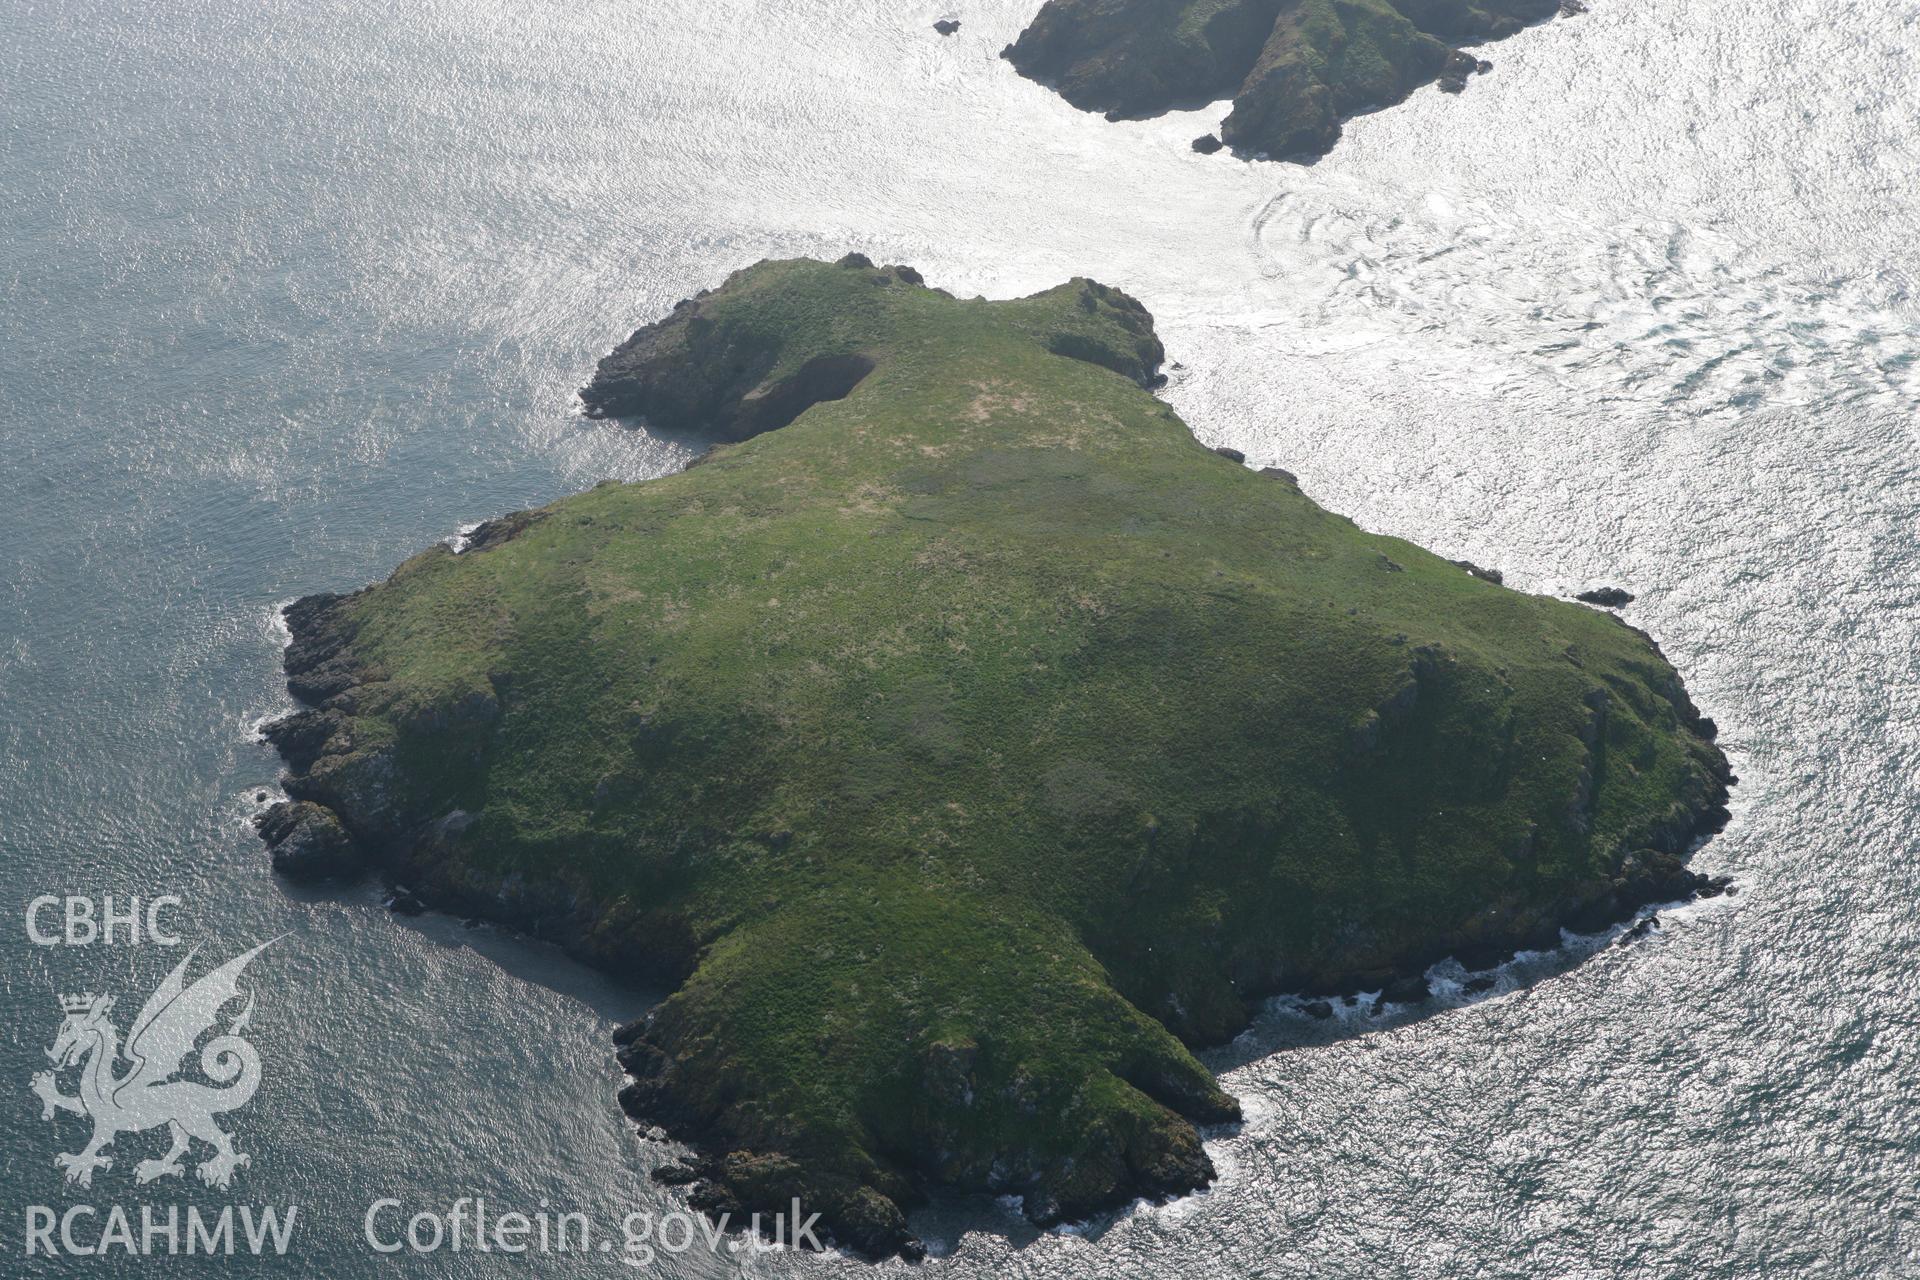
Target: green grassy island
x,y
1294,68
965,743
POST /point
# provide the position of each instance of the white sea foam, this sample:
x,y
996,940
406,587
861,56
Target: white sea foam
x,y
461,539
277,622
1451,984
282,704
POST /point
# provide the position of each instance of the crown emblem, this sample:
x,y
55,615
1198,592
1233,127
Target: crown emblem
x,y
78,1004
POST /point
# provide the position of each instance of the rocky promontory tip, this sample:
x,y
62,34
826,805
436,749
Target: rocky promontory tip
x,y
963,744
728,373
309,842
1295,69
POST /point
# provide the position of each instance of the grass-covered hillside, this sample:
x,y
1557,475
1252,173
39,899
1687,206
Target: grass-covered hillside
x,y
967,744
1294,68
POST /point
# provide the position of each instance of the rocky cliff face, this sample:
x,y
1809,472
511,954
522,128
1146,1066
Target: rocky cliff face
x,y
1295,69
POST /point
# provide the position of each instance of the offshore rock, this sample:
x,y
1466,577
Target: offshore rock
x,y
309,843
1295,69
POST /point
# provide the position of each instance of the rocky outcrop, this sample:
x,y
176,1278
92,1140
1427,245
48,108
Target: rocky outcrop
x,y
1481,572
1124,343
729,385
1295,69
309,842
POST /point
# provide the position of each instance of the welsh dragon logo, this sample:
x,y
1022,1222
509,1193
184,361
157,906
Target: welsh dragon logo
x,y
147,1095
